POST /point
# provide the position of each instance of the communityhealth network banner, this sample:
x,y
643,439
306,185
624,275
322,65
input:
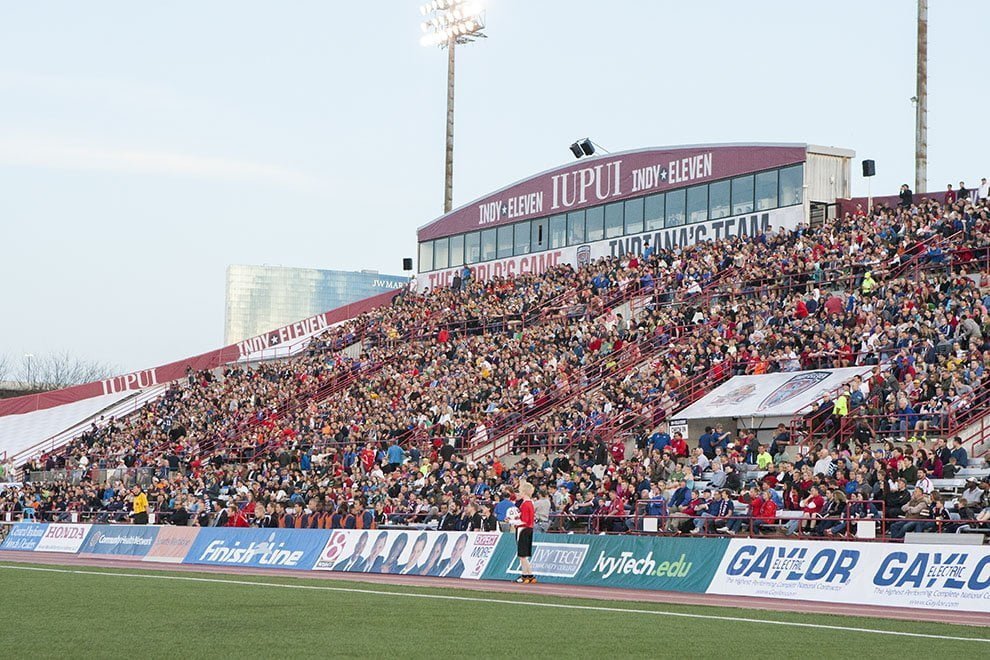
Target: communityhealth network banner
x,y
119,540
409,552
898,575
635,562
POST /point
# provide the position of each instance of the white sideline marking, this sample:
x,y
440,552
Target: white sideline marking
x,y
500,601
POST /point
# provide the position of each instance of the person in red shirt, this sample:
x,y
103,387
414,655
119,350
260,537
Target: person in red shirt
x,y
524,533
236,517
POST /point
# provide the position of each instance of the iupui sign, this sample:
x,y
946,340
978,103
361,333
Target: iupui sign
x,y
607,178
750,224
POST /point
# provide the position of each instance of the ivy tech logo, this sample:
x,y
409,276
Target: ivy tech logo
x,y
627,564
562,560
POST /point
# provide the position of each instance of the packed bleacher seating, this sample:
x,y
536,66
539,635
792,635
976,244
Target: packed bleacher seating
x,y
405,415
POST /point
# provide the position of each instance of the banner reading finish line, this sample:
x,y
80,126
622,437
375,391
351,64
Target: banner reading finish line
x,y
634,562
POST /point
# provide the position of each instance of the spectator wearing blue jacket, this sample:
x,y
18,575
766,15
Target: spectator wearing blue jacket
x,y
959,452
395,455
660,440
706,442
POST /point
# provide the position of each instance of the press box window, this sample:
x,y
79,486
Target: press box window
x,y
791,185
487,244
472,247
575,228
718,200
634,215
558,231
653,212
594,219
440,253
697,204
675,208
504,242
766,190
425,256
613,220
521,245
457,250
742,195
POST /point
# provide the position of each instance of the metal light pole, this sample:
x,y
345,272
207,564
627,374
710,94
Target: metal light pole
x,y
28,357
921,103
448,23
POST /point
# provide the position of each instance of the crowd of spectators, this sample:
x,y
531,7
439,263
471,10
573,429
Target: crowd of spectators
x,y
382,418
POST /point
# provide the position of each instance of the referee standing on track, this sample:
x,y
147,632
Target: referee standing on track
x,y
524,533
139,508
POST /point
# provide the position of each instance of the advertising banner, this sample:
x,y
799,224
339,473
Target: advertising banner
x,y
770,395
120,540
409,552
635,562
895,575
62,537
24,536
171,544
261,548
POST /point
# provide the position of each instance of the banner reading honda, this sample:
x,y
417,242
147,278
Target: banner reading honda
x,y
264,548
893,575
409,552
62,537
663,563
121,540
24,536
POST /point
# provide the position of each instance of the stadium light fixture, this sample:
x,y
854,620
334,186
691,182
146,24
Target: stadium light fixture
x,y
583,147
448,23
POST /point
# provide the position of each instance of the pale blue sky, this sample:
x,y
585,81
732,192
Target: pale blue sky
x,y
145,146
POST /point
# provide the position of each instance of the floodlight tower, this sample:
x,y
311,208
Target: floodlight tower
x,y
447,23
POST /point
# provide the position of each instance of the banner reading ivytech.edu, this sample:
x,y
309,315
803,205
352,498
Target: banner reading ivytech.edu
x,y
636,562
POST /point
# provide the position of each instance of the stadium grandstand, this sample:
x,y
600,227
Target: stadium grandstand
x,y
566,343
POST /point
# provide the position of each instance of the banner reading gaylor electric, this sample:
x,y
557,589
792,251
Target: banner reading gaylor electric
x,y
635,562
903,575
409,552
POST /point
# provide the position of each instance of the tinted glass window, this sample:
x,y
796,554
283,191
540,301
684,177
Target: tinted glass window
x,y
613,220
440,253
653,212
539,235
791,185
594,222
457,250
487,244
766,190
472,247
425,256
522,238
675,208
558,231
634,216
575,228
742,195
504,248
718,200
697,204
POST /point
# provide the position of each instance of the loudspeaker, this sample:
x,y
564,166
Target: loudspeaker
x,y
576,150
869,168
587,147
407,264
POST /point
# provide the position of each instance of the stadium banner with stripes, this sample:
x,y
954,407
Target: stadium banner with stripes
x,y
119,540
409,552
260,548
634,562
24,536
886,574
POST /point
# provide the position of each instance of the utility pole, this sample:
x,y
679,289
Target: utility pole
x,y
921,103
448,183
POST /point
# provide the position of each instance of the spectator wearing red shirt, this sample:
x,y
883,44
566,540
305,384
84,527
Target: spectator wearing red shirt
x,y
236,517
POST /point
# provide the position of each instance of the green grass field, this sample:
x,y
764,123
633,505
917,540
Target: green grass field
x,y
111,613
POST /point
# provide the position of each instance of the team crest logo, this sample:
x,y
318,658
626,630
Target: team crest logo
x,y
797,385
583,255
735,396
